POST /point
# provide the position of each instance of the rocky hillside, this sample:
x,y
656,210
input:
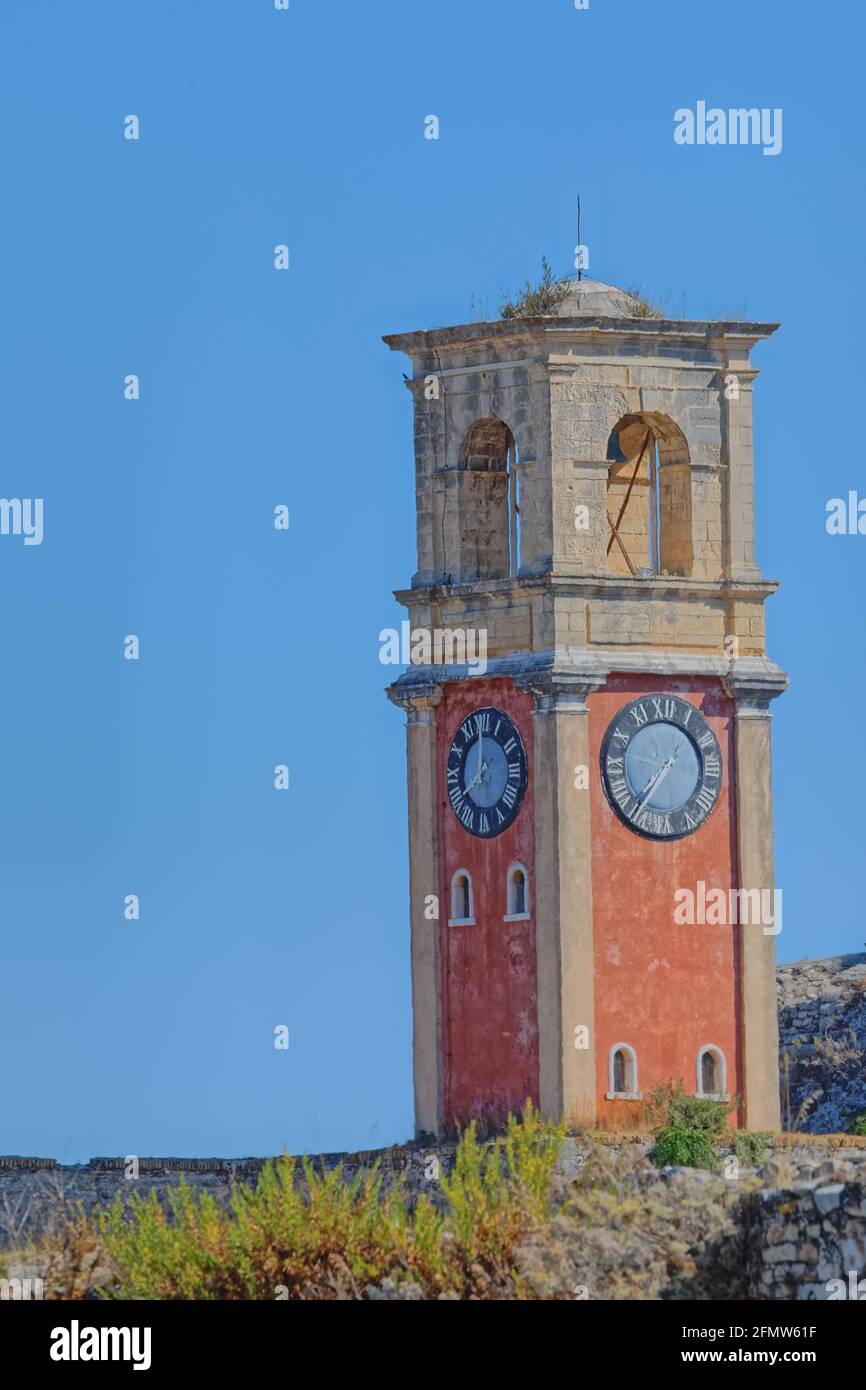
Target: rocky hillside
x,y
822,1037
615,1227
783,1231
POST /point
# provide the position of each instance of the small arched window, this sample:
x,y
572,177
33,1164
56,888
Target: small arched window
x,y
622,1073
517,894
711,1073
462,904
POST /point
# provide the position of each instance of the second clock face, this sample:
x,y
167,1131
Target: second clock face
x,y
486,772
661,767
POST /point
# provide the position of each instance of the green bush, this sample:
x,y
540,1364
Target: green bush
x,y
690,1130
856,1124
680,1146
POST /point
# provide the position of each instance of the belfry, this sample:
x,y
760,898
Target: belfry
x,y
584,488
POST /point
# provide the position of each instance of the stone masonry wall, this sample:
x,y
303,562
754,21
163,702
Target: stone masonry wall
x,y
822,1039
806,1239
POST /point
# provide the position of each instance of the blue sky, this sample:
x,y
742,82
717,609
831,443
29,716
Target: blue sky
x,y
155,257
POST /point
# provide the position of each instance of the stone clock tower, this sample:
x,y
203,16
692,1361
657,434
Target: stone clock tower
x,y
590,807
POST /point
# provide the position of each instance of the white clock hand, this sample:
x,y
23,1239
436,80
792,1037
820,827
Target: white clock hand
x,y
478,776
658,776
651,783
657,780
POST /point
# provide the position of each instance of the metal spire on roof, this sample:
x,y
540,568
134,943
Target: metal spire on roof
x,y
579,243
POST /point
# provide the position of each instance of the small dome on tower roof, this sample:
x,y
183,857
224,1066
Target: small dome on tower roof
x,y
594,299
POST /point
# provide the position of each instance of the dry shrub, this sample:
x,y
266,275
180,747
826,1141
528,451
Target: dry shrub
x,y
300,1234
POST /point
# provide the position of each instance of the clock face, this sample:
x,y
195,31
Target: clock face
x,y
486,772
661,767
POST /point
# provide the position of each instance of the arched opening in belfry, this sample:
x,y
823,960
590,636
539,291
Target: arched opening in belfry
x,y
489,536
649,498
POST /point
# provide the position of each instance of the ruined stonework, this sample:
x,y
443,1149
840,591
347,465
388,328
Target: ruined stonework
x,y
822,1038
807,1239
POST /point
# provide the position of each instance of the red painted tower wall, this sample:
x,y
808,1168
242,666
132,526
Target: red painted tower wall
x,y
665,989
489,997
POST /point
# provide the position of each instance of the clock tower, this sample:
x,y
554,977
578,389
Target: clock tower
x,y
588,718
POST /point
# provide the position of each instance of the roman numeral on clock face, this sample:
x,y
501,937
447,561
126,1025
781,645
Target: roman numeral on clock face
x,y
705,800
665,708
655,824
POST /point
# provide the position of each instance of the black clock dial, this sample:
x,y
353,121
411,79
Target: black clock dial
x,y
486,773
661,767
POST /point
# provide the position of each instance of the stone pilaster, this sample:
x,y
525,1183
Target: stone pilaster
x,y
735,384
420,705
582,536
752,685
563,907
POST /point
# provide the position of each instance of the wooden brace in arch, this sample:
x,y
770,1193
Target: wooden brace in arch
x,y
615,525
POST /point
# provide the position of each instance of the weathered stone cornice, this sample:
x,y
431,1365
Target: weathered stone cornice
x,y
748,680
624,332
656,586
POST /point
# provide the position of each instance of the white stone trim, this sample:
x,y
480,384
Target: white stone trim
x,y
453,920
631,1057
721,1063
517,916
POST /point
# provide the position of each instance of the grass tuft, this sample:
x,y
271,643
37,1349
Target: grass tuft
x,y
534,301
